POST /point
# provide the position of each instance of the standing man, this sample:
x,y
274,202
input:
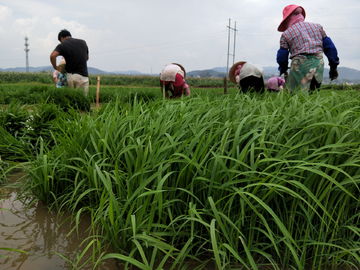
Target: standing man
x,y
76,53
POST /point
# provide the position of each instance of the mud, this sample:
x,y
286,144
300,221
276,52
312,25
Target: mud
x,y
43,235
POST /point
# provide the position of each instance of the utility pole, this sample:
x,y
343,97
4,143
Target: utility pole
x,y
27,55
234,43
227,67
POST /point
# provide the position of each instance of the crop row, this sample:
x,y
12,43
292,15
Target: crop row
x,y
121,80
239,181
126,80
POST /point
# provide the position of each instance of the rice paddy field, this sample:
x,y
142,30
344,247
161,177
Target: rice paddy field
x,y
210,181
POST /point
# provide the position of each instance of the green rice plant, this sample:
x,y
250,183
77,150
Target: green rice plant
x,y
125,80
23,93
13,118
67,98
22,127
137,80
12,148
12,130
25,77
41,122
12,249
30,94
4,166
125,94
238,180
119,80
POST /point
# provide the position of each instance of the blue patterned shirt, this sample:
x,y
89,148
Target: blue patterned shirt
x,y
62,80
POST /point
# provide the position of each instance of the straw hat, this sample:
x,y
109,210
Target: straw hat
x,y
286,13
232,71
183,69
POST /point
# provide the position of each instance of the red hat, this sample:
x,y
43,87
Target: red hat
x,y
286,13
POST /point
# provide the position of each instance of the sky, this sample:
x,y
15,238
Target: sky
x,y
146,35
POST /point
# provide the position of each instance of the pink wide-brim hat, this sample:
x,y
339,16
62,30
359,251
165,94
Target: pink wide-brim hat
x,y
286,13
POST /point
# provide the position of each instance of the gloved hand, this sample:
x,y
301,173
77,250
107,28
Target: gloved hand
x,y
333,73
283,68
283,71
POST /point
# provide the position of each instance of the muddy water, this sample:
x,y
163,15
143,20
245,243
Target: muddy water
x,y
41,234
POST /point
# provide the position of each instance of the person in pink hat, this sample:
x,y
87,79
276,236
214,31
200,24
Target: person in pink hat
x,y
172,78
305,42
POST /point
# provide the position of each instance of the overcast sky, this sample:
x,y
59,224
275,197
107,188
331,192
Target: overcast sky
x,y
145,35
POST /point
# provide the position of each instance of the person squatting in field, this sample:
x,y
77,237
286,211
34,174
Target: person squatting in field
x,y
306,42
76,53
172,78
248,76
275,84
59,74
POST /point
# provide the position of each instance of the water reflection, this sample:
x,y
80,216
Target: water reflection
x,y
39,233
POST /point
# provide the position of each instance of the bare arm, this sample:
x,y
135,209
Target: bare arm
x,y
53,56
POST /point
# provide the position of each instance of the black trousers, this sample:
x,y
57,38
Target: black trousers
x,y
314,85
252,84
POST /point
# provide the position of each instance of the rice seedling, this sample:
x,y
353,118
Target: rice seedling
x,y
22,127
25,77
11,249
119,80
4,166
68,98
237,180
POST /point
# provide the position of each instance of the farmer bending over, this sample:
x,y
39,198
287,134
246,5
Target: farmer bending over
x,y
248,76
172,78
76,53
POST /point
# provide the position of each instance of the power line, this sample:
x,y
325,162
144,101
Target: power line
x,y
159,46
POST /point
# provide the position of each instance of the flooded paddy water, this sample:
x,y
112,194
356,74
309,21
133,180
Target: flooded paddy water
x,y
41,234
44,235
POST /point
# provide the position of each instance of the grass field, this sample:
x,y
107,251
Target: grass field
x,y
241,181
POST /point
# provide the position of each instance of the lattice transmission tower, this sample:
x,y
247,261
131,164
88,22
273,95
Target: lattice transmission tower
x,y
27,53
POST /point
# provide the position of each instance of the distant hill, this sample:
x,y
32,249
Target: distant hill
x,y
348,75
207,73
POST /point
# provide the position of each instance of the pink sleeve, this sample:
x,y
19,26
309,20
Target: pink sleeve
x,y
187,89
